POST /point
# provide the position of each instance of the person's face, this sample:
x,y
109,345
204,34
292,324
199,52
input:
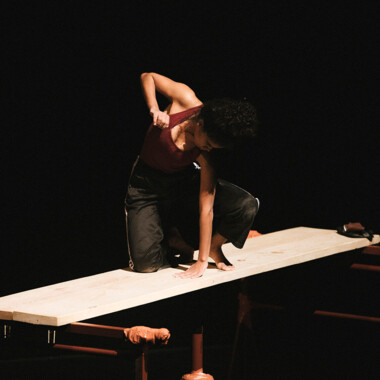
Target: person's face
x,y
202,141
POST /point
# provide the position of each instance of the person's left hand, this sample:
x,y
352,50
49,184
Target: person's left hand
x,y
160,119
196,270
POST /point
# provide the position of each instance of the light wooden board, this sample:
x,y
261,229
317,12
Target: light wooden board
x,y
109,292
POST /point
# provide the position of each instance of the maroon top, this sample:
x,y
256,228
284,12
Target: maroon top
x,y
159,150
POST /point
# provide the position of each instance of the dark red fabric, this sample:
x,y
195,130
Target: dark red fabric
x,y
159,150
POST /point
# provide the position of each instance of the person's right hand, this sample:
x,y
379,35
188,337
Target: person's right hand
x,y
160,119
196,270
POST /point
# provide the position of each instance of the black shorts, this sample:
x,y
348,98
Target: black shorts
x,y
156,201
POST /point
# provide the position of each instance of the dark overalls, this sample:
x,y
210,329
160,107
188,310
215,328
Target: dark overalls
x,y
156,201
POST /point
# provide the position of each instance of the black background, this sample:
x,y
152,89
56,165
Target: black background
x,y
75,118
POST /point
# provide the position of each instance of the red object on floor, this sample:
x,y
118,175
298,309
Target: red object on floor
x,y
253,233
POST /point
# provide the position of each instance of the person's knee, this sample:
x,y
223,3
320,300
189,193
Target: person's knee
x,y
145,267
147,261
250,207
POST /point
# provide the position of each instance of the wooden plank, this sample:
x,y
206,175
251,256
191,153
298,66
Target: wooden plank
x,y
109,292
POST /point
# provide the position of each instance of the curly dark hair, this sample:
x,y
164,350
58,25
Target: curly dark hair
x,y
228,121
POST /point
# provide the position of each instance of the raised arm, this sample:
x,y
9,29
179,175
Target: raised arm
x,y
180,96
206,215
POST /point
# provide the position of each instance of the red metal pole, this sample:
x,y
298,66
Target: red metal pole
x,y
198,351
90,350
97,330
372,250
141,365
370,268
197,354
346,316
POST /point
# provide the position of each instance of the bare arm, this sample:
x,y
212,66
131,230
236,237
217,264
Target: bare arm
x,y
181,96
206,204
206,215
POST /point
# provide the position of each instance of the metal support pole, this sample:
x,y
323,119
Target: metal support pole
x,y
370,268
89,350
197,359
141,364
7,330
197,352
51,335
347,316
372,250
96,330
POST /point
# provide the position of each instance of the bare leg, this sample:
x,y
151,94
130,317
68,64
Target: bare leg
x,y
217,254
176,241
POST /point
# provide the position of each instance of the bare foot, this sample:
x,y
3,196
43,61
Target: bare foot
x,y
220,260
